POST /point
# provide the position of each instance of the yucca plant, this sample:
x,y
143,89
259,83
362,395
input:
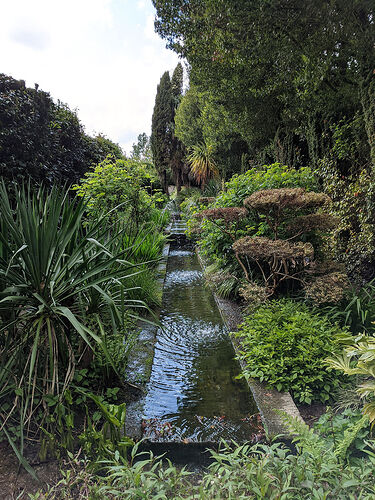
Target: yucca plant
x,y
53,274
202,163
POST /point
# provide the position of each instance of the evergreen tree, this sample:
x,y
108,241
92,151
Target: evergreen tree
x,y
177,153
161,129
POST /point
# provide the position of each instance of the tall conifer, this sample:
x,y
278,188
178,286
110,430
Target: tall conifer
x,y
177,155
161,129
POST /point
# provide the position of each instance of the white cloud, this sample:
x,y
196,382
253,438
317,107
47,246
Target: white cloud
x,y
91,55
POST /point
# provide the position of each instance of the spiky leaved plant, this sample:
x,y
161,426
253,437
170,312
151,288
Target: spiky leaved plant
x,y
51,267
202,163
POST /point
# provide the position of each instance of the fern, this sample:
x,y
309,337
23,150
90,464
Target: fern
x,y
307,440
349,437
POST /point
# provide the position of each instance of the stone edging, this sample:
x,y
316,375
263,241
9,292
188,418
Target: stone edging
x,y
267,400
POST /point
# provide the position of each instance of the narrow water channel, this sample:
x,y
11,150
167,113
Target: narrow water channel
x,y
193,394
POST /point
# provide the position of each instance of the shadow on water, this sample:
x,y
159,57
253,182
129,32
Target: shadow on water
x,y
193,394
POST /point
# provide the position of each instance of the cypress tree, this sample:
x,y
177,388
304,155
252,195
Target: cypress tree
x,y
177,155
161,129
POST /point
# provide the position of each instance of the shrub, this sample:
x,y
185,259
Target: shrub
x,y
217,245
358,358
61,285
279,259
118,184
272,176
284,344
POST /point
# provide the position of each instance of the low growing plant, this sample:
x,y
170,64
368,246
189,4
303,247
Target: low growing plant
x,y
358,359
357,310
285,344
347,432
244,472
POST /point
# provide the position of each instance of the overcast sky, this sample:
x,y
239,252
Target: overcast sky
x,y
99,56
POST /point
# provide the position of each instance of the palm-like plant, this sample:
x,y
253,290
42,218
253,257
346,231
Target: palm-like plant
x,y
202,163
358,359
53,272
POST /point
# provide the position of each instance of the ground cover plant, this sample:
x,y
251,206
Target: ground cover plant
x,y
284,344
315,470
347,431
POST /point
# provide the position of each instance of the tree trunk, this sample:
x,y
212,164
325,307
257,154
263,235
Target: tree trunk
x,y
165,183
178,182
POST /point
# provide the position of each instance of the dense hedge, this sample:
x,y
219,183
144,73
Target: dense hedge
x,y
42,140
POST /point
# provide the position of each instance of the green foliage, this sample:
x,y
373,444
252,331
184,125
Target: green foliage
x,y
221,281
187,119
61,287
215,243
237,472
284,344
142,149
161,135
144,246
357,311
102,443
278,69
358,358
354,203
278,76
44,141
273,176
202,164
107,365
200,119
167,150
347,432
117,186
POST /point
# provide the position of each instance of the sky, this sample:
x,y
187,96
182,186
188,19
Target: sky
x,y
101,57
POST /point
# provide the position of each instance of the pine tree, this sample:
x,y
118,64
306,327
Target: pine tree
x,y
161,130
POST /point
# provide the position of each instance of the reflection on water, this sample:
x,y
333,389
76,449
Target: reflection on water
x,y
193,393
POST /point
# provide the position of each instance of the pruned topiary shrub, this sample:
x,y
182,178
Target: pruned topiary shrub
x,y
284,344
